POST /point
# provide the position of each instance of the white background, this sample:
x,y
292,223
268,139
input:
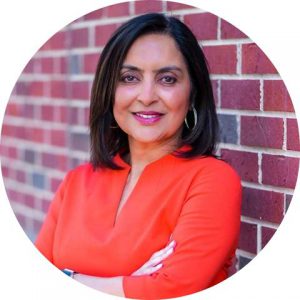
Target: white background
x,y
26,25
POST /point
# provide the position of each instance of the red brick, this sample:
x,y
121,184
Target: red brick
x,y
248,237
46,64
29,200
45,205
34,134
4,169
58,89
35,88
288,199
3,150
279,170
245,163
74,115
79,38
9,173
103,33
56,112
81,115
228,31
79,141
20,88
13,109
117,10
204,25
292,135
276,96
175,6
5,131
63,114
54,184
28,111
63,65
80,90
262,132
13,131
240,94
263,205
96,14
47,113
57,41
20,176
146,6
90,62
29,68
266,234
12,152
14,196
22,220
55,161
254,61
221,59
58,137
215,86
86,116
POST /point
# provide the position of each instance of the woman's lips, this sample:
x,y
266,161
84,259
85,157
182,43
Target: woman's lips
x,y
147,117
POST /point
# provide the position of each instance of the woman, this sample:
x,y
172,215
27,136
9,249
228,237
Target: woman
x,y
155,214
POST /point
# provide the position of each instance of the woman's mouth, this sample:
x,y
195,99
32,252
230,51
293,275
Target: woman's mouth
x,y
147,117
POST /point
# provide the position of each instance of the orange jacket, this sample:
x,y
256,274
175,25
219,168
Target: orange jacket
x,y
197,201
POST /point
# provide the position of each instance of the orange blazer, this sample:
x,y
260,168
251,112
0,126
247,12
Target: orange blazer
x,y
196,202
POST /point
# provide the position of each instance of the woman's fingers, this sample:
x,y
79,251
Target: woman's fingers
x,y
162,256
163,251
147,271
155,261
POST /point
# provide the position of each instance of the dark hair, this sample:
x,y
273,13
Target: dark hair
x,y
106,138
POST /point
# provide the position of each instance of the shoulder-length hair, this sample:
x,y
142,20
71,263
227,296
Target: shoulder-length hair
x,y
107,138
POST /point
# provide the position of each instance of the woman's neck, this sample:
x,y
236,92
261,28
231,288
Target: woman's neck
x,y
143,154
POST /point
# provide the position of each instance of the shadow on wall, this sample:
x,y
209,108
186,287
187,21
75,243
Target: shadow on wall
x,y
45,131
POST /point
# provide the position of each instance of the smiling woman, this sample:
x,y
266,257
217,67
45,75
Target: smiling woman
x,y
154,201
152,96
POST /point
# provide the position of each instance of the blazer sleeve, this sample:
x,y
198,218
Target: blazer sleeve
x,y
45,239
206,235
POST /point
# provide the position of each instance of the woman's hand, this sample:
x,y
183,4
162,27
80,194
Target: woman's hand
x,y
155,261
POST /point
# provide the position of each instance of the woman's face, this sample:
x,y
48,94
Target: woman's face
x,y
152,95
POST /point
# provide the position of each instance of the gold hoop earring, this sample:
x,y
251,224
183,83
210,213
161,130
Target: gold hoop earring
x,y
195,119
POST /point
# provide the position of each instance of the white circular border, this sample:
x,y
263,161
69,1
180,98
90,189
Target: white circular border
x,y
26,25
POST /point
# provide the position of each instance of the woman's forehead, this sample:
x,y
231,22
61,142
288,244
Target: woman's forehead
x,y
154,48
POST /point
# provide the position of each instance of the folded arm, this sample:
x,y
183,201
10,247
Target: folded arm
x,y
206,235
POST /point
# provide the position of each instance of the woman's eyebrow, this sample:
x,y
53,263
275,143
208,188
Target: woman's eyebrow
x,y
130,67
160,70
168,69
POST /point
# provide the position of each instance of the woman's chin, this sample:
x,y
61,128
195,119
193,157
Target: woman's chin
x,y
146,139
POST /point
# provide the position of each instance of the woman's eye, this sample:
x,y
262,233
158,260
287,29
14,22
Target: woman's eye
x,y
128,78
168,79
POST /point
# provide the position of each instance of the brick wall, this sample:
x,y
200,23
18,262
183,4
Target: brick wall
x,y
45,132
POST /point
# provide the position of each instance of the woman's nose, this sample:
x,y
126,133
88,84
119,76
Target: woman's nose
x,y
147,94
